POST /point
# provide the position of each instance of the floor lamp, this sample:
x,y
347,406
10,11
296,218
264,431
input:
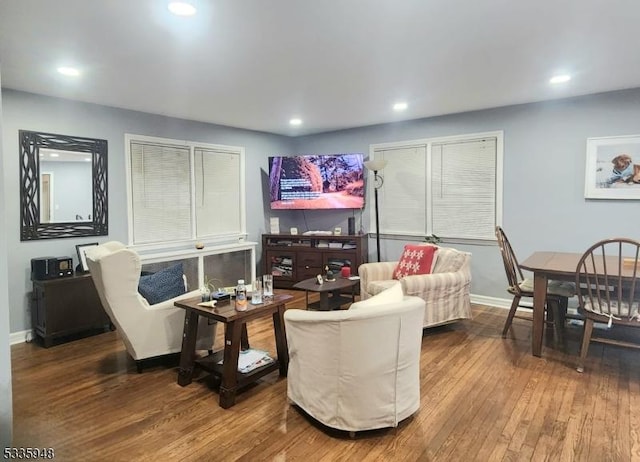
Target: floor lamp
x,y
375,166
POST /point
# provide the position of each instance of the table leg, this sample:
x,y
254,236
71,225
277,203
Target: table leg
x,y
324,301
244,337
188,351
539,300
336,294
229,385
281,340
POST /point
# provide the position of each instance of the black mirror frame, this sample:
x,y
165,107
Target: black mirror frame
x,y
30,226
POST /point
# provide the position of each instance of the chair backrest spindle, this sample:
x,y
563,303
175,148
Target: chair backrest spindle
x,y
608,275
511,265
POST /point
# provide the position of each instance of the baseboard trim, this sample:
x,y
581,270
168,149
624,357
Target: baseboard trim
x,y
20,337
493,301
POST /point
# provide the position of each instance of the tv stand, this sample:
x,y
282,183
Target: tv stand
x,y
294,258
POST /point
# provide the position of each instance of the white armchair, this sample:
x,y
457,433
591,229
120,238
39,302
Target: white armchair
x,y
146,330
445,291
357,369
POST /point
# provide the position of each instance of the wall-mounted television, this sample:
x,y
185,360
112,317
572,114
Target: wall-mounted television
x,y
327,181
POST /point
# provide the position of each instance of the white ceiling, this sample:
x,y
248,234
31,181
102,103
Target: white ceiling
x,y
334,63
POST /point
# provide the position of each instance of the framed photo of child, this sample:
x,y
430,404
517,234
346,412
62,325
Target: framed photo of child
x,y
613,168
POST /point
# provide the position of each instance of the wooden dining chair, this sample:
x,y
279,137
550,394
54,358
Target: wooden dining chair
x,y
558,292
607,275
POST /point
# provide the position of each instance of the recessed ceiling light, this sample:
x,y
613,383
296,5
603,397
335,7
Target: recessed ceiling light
x,y
69,71
295,122
560,78
53,154
182,8
400,106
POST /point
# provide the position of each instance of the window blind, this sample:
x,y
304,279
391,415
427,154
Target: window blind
x,y
463,189
181,190
217,185
161,192
402,198
448,187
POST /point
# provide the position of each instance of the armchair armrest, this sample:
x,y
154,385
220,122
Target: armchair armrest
x,y
168,304
379,271
328,339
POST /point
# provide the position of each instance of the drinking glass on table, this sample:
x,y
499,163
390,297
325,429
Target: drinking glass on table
x,y
267,282
256,292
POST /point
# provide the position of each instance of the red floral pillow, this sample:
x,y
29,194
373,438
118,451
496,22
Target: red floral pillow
x,y
416,259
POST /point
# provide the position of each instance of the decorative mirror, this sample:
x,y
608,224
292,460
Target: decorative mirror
x,y
63,183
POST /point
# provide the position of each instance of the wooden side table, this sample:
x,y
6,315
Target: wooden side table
x,y
235,337
334,288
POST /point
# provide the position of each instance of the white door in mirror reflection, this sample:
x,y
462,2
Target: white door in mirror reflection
x,y
66,186
45,198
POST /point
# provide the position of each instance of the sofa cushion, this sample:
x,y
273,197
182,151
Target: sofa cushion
x,y
392,295
560,288
162,285
376,287
415,259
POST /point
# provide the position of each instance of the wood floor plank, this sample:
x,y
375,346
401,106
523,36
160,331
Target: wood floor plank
x,y
634,415
550,446
505,401
480,415
483,398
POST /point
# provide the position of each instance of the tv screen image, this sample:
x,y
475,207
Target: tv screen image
x,y
328,181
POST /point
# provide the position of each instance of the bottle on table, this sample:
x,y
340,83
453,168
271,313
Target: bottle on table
x,y
241,296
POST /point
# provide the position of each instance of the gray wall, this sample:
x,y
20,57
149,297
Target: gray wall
x,y
544,166
39,113
6,405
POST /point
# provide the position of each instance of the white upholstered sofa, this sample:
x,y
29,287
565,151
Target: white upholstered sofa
x,y
445,291
146,330
357,369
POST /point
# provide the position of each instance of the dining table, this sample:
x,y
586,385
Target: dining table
x,y
560,266
544,266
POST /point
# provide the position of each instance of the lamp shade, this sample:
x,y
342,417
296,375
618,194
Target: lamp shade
x,y
375,165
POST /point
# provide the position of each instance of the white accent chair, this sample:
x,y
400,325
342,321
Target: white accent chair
x,y
445,291
147,330
357,369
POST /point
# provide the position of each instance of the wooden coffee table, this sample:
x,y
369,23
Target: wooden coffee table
x,y
235,337
326,303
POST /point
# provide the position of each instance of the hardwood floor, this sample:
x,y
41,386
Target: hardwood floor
x,y
483,398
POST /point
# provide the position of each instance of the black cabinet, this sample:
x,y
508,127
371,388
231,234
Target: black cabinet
x,y
65,306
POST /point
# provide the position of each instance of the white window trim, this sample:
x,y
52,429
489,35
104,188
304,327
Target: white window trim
x,y
192,145
428,142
